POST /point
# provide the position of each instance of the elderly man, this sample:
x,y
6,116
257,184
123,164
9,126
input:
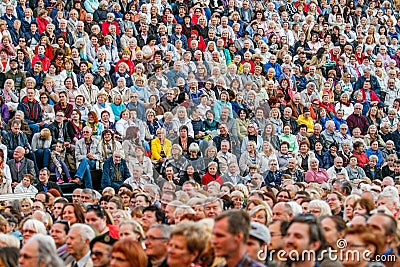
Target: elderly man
x,y
337,168
225,158
78,240
357,120
329,136
88,155
308,95
19,166
213,207
232,174
14,138
115,171
89,90
39,250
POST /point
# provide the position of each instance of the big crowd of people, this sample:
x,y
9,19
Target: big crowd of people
x,y
199,133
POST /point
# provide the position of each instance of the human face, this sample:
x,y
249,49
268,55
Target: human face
x,y
75,244
225,244
86,198
279,212
156,244
212,209
118,259
95,221
260,217
149,218
29,255
331,233
283,197
359,210
333,202
276,236
297,239
100,254
58,233
69,214
357,248
126,231
57,208
25,207
178,252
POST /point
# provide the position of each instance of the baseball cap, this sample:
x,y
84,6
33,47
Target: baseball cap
x,y
260,231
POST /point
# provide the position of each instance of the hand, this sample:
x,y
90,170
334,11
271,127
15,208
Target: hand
x,y
60,170
14,184
41,123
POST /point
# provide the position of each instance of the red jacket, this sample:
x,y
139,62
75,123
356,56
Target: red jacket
x,y
372,94
45,62
130,64
202,45
106,25
207,178
42,23
362,158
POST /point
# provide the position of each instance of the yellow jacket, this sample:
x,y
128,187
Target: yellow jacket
x,y
307,121
156,148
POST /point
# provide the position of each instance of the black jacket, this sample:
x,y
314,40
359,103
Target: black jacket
x,y
40,187
68,132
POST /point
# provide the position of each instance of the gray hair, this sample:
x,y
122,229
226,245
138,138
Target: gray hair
x,y
35,225
165,229
321,205
85,231
47,253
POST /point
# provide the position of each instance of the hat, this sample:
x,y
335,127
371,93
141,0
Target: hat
x,y
260,231
13,60
305,109
104,238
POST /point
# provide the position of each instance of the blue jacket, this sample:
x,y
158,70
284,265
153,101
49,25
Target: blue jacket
x,y
32,115
271,179
276,67
378,153
109,172
339,122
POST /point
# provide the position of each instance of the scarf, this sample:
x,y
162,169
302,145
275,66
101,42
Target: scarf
x,y
41,56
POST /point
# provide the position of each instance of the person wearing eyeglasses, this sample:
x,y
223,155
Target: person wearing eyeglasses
x,y
40,251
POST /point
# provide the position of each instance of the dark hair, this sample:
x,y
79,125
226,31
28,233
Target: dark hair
x,y
316,233
160,216
238,222
78,211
